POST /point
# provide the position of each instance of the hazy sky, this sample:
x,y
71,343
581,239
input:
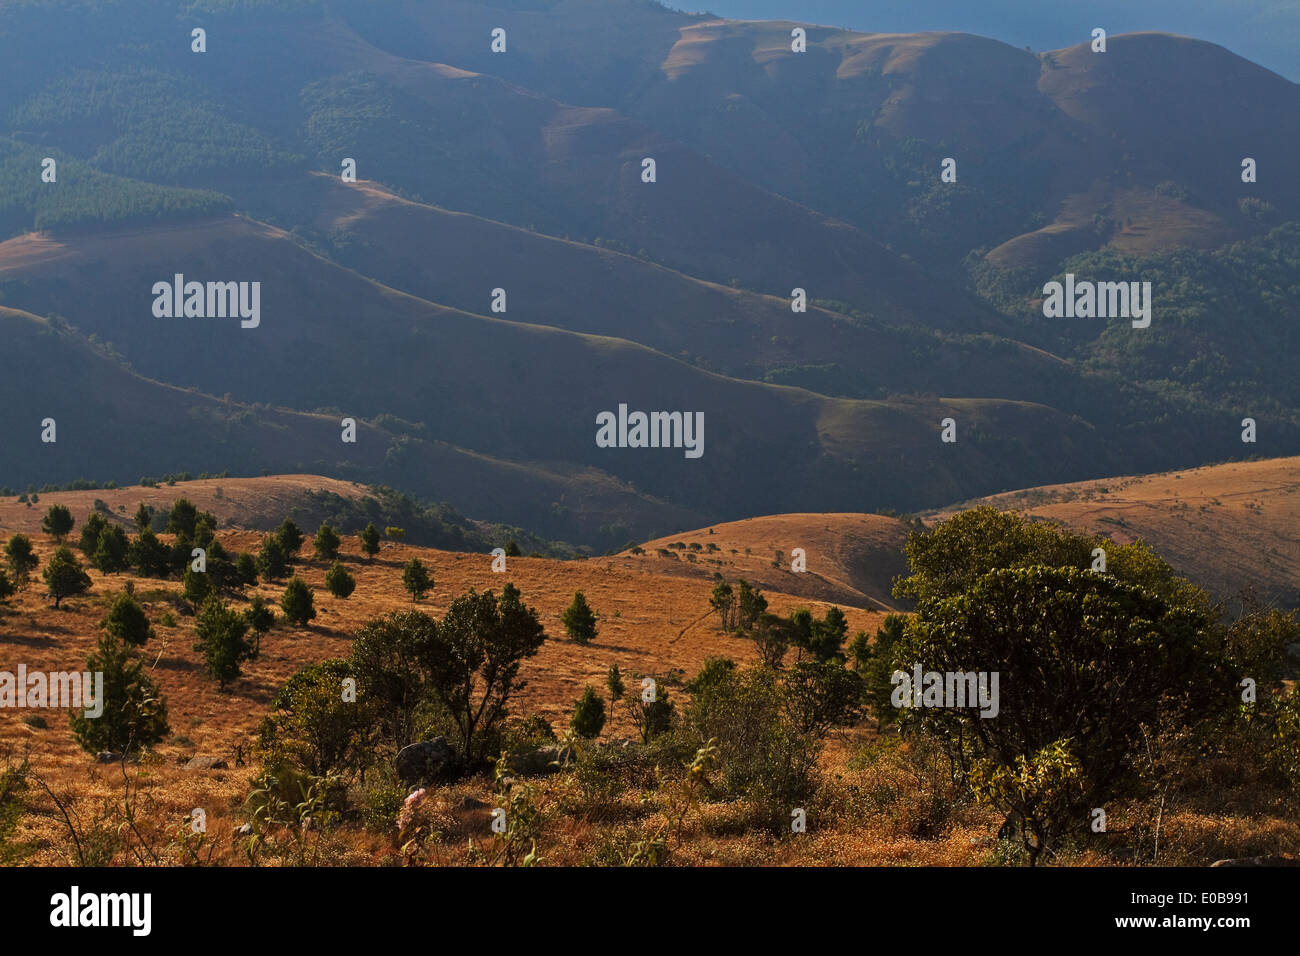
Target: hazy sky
x,y
1266,31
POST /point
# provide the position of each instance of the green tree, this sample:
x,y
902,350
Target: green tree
x,y
205,529
949,558
127,621
823,639
474,661
314,727
651,717
763,756
112,553
340,581
370,541
271,560
416,579
290,538
221,569
196,586
298,602
149,556
183,519
326,543
875,664
614,684
93,527
143,518
512,549
246,569
58,521
220,632
588,714
21,558
579,620
772,636
390,658
821,694
750,604
260,618
723,600
133,712
1085,664
7,587
714,671
64,576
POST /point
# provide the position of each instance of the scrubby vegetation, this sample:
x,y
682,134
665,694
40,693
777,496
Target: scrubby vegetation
x,y
1126,707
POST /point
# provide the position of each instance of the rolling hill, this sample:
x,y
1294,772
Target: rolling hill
x,y
335,342
522,171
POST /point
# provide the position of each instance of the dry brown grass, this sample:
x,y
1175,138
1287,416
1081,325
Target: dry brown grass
x,y
655,620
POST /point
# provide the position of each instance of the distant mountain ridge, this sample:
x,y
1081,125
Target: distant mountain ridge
x,y
504,267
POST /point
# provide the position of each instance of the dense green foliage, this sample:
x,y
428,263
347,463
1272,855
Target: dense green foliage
x,y
134,712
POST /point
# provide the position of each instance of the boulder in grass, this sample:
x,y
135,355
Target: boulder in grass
x,y
424,762
206,763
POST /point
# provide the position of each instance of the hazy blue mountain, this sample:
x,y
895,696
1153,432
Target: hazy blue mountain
x,y
1266,31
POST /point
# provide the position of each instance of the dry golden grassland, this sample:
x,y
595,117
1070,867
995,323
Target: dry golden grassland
x,y
874,807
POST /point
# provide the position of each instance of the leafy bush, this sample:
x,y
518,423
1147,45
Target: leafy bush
x,y
1085,663
316,724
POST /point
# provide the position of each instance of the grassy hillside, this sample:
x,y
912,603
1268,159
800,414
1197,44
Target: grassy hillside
x,y
456,259
654,621
361,349
139,427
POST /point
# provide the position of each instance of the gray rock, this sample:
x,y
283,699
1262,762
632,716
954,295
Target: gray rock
x,y
206,763
424,762
244,829
107,756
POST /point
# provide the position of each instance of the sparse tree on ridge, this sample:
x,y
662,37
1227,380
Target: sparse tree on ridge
x,y
580,620
65,576
127,621
326,543
370,541
143,517
220,632
298,602
58,521
340,581
416,579
21,558
290,538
